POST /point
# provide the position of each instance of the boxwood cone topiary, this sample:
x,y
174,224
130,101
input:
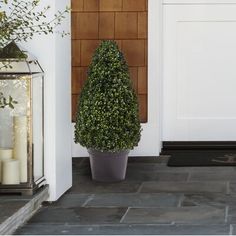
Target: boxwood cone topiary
x,y
107,116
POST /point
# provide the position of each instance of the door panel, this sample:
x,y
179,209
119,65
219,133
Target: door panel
x,y
199,73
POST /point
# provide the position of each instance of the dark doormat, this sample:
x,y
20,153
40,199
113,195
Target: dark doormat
x,y
182,158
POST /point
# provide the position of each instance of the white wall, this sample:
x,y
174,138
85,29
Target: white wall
x,y
63,107
150,144
54,54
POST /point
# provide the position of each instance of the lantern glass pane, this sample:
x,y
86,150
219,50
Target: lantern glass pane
x,y
15,128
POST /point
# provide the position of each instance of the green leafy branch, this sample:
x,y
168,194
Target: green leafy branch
x,y
24,20
7,102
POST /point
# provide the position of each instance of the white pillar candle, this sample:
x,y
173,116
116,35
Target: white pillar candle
x,y
10,172
0,171
20,145
6,128
5,154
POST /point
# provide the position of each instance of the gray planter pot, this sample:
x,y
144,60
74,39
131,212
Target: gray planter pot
x,y
108,166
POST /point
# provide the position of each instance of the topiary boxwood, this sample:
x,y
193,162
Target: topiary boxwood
x,y
107,113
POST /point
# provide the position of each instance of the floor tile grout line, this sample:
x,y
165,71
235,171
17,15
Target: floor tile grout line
x,y
88,200
123,217
104,206
139,188
227,187
231,229
105,224
226,213
189,177
181,199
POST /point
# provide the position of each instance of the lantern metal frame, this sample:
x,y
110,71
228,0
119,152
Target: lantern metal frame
x,y
28,69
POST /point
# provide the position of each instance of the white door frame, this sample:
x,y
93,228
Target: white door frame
x,y
155,67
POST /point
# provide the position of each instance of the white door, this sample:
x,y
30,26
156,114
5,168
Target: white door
x,y
199,94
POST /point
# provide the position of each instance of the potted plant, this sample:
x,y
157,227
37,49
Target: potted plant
x,y
107,120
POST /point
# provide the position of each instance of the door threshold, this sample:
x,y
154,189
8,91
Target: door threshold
x,y
198,145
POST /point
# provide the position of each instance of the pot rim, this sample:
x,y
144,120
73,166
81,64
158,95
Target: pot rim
x,y
91,150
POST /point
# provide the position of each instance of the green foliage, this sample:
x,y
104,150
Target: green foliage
x,y
12,51
6,102
107,114
23,20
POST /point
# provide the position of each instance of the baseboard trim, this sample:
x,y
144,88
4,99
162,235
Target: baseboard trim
x,y
196,145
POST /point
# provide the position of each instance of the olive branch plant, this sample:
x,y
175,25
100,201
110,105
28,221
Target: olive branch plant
x,y
20,20
24,19
7,102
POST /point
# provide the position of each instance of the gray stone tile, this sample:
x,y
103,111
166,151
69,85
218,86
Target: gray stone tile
x,y
231,219
231,215
85,171
139,166
7,209
233,229
87,186
79,215
14,197
12,203
50,229
213,176
209,199
81,178
184,187
70,200
13,213
232,188
232,210
212,169
155,176
161,168
135,200
79,161
160,159
185,215
81,166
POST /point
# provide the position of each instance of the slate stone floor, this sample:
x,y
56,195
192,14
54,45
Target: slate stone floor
x,y
15,209
154,199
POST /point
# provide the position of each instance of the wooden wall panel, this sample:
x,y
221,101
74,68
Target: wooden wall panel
x,y
110,5
126,25
106,25
124,21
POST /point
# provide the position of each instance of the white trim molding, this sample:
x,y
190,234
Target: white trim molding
x,y
196,2
150,144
